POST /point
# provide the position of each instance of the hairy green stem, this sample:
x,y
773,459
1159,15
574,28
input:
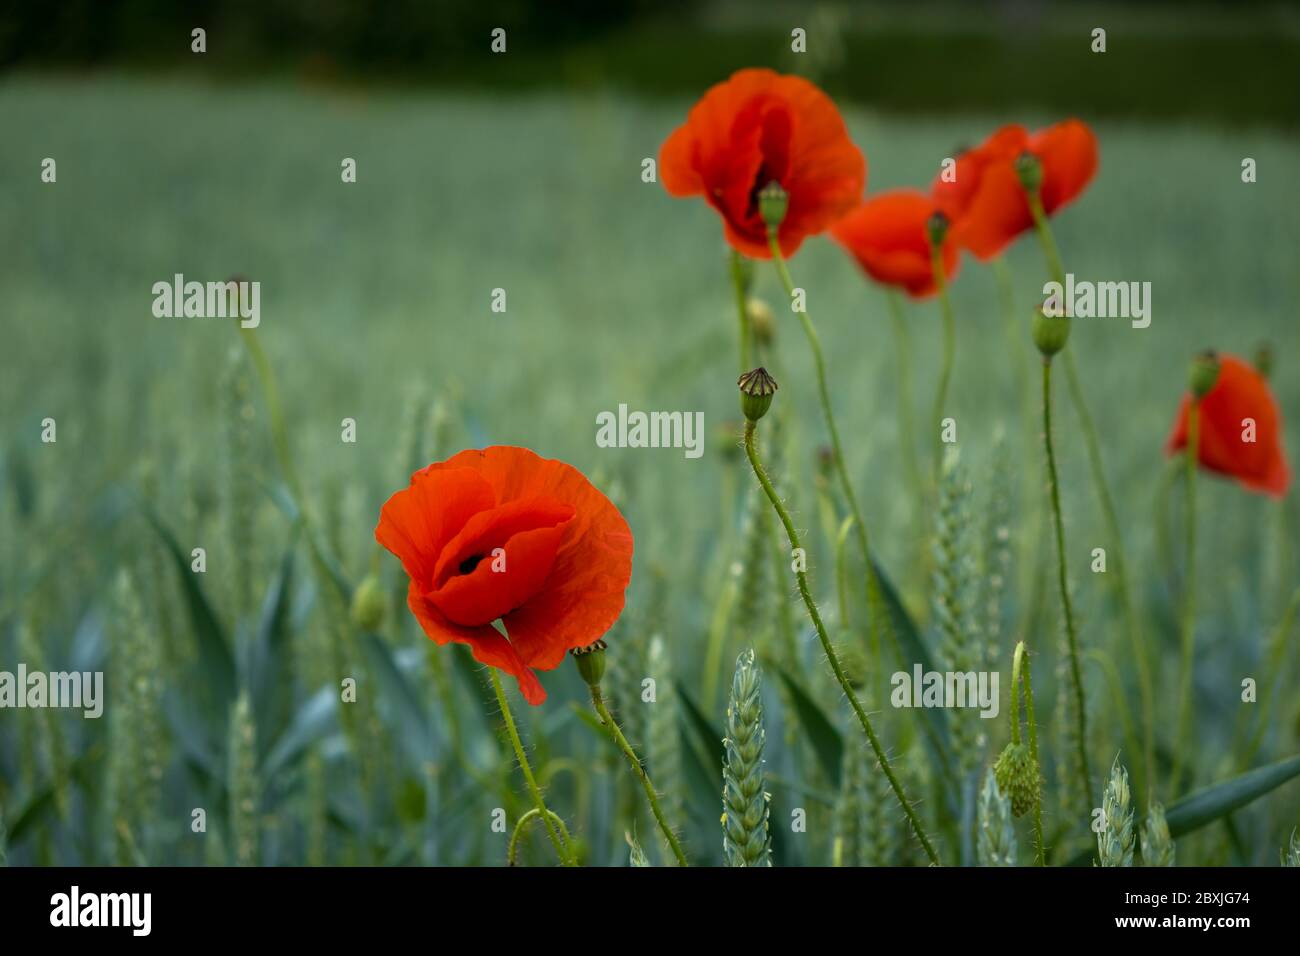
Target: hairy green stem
x,y
874,602
1067,606
831,656
512,850
1019,672
562,848
1137,636
598,701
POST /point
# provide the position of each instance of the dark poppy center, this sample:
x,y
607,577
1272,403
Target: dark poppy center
x,y
469,564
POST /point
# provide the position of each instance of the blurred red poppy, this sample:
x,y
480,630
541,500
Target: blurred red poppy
x,y
1239,429
889,237
758,127
503,534
986,201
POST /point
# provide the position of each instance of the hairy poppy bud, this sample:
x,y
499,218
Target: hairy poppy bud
x,y
937,229
591,662
772,204
1030,171
368,602
761,320
756,391
1204,373
1016,772
1050,332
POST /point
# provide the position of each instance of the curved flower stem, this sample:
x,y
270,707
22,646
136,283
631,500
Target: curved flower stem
x,y
1067,607
562,847
949,350
738,283
1019,669
878,617
1093,446
598,701
831,656
1187,631
512,850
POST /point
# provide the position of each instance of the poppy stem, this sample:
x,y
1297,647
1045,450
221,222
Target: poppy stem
x,y
829,650
1067,606
738,283
562,847
906,418
598,701
1092,444
949,351
1019,670
1187,631
512,850
878,617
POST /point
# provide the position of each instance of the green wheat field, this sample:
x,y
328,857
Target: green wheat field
x,y
222,689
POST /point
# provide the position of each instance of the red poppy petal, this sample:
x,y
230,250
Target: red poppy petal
x,y
491,529
1068,153
485,643
485,594
416,523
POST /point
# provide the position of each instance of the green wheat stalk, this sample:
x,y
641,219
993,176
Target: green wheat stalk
x,y
996,845
745,840
236,390
243,785
1291,856
1157,844
1115,841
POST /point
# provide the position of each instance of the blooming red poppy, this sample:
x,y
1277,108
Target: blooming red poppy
x,y
889,236
986,201
1239,429
755,128
503,534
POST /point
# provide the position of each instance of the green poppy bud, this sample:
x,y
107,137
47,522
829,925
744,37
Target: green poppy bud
x,y
368,604
1051,332
1016,772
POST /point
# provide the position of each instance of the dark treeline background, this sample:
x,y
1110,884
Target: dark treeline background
x,y
1235,62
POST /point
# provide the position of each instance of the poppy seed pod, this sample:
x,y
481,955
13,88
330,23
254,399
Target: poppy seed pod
x,y
591,662
1051,332
368,604
756,391
1016,772
1030,172
772,204
937,229
1204,373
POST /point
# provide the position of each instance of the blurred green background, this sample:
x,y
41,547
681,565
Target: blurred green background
x,y
522,172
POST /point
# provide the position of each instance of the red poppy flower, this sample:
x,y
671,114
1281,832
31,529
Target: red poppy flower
x,y
503,534
755,128
1227,443
986,202
889,236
